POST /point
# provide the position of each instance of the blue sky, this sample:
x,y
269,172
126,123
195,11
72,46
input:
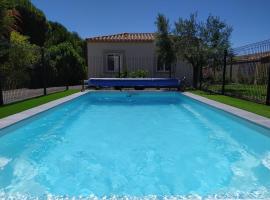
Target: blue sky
x,y
249,18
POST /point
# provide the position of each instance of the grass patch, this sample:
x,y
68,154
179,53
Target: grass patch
x,y
259,109
247,91
17,107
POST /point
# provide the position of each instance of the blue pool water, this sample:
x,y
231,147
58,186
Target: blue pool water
x,y
135,145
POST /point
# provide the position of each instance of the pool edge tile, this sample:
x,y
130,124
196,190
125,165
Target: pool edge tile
x,y
12,119
252,117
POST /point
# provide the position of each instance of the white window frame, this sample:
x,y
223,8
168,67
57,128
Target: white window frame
x,y
116,69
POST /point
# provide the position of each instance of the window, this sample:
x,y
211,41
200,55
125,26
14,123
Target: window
x,y
162,67
113,62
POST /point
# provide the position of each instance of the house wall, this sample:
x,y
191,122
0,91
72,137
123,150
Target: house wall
x,y
136,56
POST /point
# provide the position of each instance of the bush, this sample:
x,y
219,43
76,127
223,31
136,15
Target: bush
x,y
135,74
139,74
66,63
22,58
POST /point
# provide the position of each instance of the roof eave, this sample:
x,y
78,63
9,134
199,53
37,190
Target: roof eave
x,y
117,41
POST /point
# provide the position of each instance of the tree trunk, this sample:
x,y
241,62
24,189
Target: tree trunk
x,y
44,72
195,76
1,91
201,77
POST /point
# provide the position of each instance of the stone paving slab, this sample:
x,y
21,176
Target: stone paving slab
x,y
252,117
12,119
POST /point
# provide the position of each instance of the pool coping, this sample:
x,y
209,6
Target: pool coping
x,y
252,117
12,119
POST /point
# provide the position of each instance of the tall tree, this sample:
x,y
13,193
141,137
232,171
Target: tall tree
x,y
33,22
189,44
57,34
216,35
8,16
34,30
164,43
6,19
7,24
200,43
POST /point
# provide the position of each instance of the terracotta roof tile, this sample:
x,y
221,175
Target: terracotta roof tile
x,y
124,37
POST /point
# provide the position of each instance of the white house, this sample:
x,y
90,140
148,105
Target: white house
x,y
127,52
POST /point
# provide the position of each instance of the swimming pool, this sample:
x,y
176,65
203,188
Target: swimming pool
x,y
135,144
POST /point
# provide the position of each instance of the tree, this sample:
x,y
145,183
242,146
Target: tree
x,y
20,52
6,19
189,44
8,16
200,43
33,22
216,35
59,39
67,63
164,43
7,24
22,57
57,34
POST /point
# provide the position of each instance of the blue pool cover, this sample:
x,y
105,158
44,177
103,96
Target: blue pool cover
x,y
133,82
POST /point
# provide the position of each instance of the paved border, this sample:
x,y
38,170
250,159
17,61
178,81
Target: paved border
x,y
263,121
12,119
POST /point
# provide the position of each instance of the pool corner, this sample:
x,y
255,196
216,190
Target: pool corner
x,y
254,118
12,119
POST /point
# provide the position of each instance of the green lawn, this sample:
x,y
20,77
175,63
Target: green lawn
x,y
247,91
259,109
13,108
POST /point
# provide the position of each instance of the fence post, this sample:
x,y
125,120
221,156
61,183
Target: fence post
x,y
201,78
82,86
119,68
231,65
1,90
268,88
224,72
44,71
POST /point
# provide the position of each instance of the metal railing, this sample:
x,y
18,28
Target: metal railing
x,y
244,73
19,83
